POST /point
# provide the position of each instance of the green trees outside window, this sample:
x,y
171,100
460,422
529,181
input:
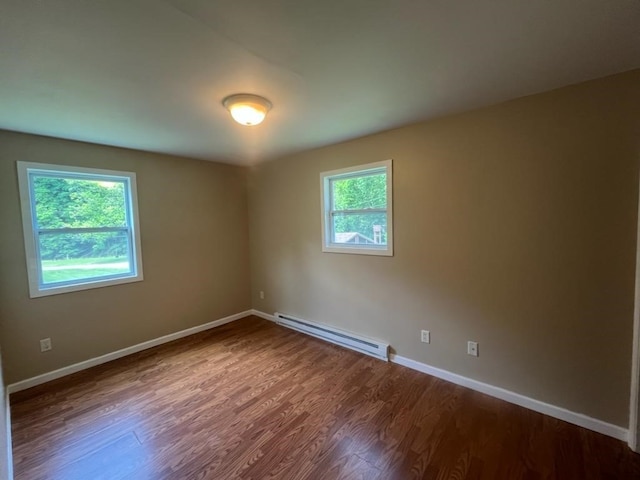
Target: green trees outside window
x,y
62,203
357,205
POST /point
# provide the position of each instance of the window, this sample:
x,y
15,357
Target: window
x,y
80,227
357,210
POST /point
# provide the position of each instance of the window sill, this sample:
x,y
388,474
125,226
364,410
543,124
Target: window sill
x,y
358,250
44,291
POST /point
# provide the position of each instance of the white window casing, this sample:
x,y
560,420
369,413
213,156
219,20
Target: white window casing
x,y
127,271
378,241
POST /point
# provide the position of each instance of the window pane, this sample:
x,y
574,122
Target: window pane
x,y
357,193
79,256
76,203
360,228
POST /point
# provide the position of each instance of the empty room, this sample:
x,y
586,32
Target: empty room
x,y
319,240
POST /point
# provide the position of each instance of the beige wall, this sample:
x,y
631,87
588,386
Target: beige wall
x,y
514,226
193,219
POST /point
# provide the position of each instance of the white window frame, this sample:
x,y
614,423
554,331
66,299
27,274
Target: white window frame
x,y
36,287
327,213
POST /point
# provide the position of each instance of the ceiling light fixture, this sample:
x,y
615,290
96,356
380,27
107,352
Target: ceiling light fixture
x,y
247,109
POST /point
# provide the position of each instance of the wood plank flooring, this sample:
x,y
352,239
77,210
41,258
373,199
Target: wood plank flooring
x,y
253,400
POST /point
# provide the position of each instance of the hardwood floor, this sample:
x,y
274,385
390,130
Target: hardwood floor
x,y
252,400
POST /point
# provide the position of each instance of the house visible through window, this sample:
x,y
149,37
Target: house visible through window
x,y
80,227
357,209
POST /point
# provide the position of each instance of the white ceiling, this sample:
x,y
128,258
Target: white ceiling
x,y
151,74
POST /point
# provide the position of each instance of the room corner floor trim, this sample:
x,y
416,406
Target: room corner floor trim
x,y
92,362
266,316
554,411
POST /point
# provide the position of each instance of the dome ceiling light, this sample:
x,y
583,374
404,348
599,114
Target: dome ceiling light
x,y
247,109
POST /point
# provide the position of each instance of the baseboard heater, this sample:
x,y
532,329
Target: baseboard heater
x,y
330,334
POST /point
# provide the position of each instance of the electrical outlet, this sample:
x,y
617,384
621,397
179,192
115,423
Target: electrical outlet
x,y
261,295
45,345
472,348
425,336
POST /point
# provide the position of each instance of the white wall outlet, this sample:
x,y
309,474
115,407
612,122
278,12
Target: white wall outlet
x,y
472,348
425,336
261,295
45,345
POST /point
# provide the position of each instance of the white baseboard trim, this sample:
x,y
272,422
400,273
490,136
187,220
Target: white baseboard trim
x,y
512,397
9,453
266,316
92,362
